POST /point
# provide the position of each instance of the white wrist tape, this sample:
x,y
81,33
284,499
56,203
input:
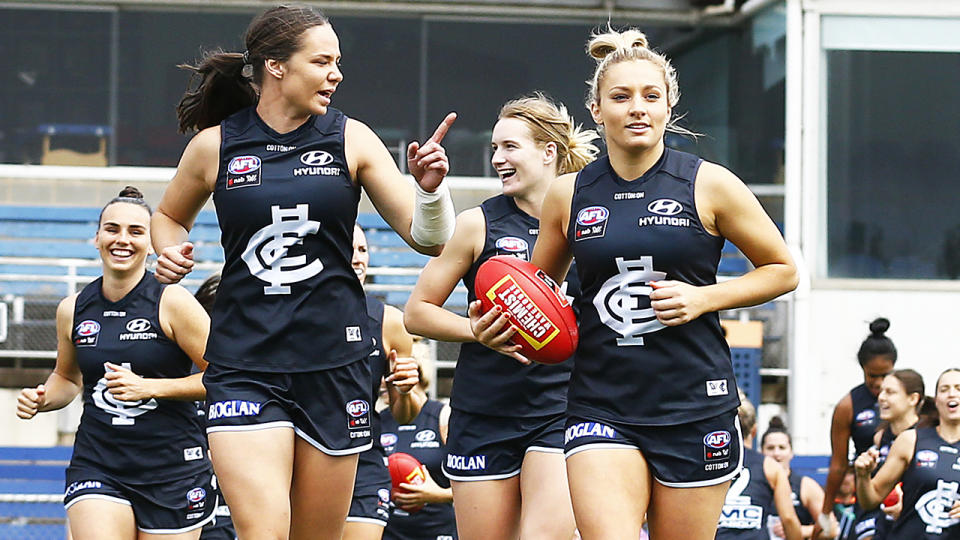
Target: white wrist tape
x,y
433,216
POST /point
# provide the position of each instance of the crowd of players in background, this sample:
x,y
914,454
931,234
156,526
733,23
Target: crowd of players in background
x,y
641,432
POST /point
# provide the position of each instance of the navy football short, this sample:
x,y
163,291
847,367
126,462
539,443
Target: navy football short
x,y
329,408
702,453
866,524
169,507
373,509
481,447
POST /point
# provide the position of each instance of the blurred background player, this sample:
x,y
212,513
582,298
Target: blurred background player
x,y
759,498
425,438
651,382
926,461
505,456
391,364
807,495
288,349
128,343
856,415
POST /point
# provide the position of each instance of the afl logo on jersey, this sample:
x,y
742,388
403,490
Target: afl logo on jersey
x,y
665,207
243,164
359,417
243,171
591,222
389,441
592,215
865,416
357,408
316,158
87,333
511,245
927,459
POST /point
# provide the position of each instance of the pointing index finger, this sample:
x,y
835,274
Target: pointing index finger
x,y
442,129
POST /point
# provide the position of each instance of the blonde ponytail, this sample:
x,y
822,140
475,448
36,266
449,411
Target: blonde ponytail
x,y
550,122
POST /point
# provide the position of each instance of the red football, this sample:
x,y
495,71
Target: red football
x,y
545,323
405,469
893,498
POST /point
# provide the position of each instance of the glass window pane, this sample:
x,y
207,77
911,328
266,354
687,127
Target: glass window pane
x,y
55,79
892,164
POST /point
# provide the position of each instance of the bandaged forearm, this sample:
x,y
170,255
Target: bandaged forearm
x,y
433,216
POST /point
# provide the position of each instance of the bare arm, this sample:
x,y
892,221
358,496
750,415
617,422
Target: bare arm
x,y
728,208
393,196
66,380
186,194
840,447
782,498
187,324
405,405
424,314
444,421
870,491
552,252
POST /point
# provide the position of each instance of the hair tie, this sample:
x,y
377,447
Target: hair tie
x,y
246,57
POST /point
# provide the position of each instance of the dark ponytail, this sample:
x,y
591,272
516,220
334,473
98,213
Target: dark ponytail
x,y
877,343
776,425
129,195
224,82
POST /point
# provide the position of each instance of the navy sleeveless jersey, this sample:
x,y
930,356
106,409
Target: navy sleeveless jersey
x,y
628,366
289,300
749,502
141,442
866,417
930,486
421,439
487,382
372,473
795,487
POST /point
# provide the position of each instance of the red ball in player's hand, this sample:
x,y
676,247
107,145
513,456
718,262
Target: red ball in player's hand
x,y
893,498
405,469
546,328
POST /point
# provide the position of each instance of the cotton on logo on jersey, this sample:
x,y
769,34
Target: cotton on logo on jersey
x,y
589,429
466,463
266,252
591,222
623,300
233,408
243,171
137,331
316,161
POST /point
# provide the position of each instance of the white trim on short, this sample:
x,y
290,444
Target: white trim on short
x,y
193,527
484,478
100,496
372,521
601,446
543,449
252,427
714,481
330,452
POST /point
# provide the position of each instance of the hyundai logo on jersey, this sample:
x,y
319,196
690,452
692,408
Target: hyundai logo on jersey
x,y
316,158
665,207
